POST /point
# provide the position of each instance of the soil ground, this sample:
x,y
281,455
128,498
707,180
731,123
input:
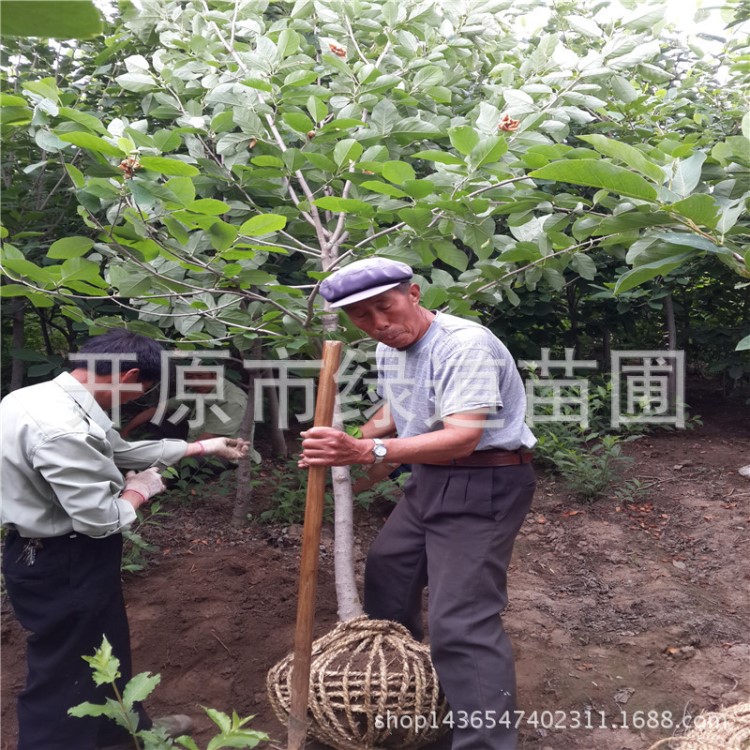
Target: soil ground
x,y
616,608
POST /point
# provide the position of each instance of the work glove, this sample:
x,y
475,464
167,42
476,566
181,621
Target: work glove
x,y
146,483
233,449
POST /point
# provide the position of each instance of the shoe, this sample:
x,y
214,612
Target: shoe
x,y
175,726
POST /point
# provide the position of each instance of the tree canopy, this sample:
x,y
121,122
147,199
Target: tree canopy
x,y
198,169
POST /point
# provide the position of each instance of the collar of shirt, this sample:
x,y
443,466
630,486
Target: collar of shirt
x,y
84,398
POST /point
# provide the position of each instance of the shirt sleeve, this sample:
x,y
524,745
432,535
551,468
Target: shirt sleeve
x,y
467,379
140,454
85,482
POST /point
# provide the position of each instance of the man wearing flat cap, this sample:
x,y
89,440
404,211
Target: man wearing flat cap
x,y
456,402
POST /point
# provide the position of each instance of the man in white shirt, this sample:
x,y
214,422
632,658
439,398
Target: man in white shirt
x,y
64,504
456,404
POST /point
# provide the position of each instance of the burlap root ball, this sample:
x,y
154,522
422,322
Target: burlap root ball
x,y
371,686
728,729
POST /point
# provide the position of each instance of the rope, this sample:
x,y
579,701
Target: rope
x,y
728,729
371,686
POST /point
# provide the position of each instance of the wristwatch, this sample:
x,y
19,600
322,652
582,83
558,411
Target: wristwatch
x,y
379,450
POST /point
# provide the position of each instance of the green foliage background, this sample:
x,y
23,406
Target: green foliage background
x,y
194,173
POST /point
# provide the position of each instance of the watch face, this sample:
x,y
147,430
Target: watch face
x,y
380,451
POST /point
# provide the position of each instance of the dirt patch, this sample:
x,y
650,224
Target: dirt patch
x,y
630,614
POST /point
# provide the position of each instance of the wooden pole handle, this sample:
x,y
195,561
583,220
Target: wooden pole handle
x,y
308,579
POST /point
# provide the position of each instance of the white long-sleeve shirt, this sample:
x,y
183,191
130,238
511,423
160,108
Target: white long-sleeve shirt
x,y
60,470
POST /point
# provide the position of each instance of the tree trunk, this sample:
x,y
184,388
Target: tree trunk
x,y
570,296
347,597
278,441
244,491
672,346
18,313
45,332
607,351
343,546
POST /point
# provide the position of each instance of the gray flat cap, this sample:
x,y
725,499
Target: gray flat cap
x,y
363,279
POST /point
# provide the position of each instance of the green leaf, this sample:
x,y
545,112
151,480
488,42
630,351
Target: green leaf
x,y
19,290
15,116
83,118
335,126
623,89
136,82
442,157
258,83
75,175
430,75
598,174
689,239
267,161
383,188
298,121
347,151
79,269
699,208
320,161
521,253
398,172
487,151
139,688
262,225
163,165
288,43
176,230
687,174
463,139
418,189
167,140
416,218
451,255
641,274
744,345
300,78
383,117
11,100
478,236
413,128
345,205
434,297
220,719
45,87
317,108
208,207
57,19
21,267
182,188
90,143
222,235
70,247
89,709
440,94
626,154
15,290
584,265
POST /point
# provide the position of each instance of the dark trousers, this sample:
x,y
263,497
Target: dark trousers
x,y
68,599
454,530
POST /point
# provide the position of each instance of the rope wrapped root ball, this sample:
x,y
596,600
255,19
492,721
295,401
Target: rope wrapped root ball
x,y
728,729
371,686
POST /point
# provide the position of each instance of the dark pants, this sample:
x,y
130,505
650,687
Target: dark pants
x,y
454,530
69,598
